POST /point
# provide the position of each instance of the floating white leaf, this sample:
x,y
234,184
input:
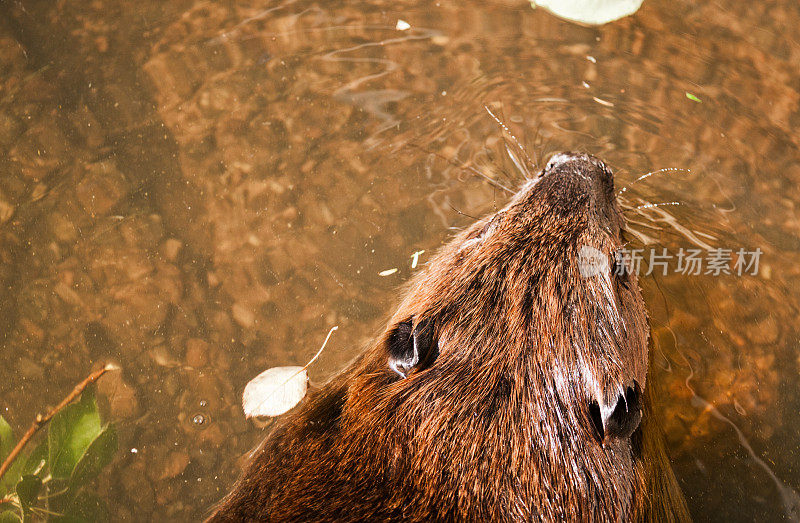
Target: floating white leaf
x,y
591,12
275,391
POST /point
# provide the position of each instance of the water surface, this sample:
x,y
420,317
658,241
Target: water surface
x,y
198,191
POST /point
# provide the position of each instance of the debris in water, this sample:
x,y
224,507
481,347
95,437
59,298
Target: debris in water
x,y
402,25
589,12
415,259
388,272
603,102
693,98
276,390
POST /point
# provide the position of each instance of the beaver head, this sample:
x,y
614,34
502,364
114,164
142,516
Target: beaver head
x,y
506,387
513,369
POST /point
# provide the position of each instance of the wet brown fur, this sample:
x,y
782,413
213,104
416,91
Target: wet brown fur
x,y
495,423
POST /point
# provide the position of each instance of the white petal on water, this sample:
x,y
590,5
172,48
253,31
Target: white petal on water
x,y
275,391
591,12
278,389
402,25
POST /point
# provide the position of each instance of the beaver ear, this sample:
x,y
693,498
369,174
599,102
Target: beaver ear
x,y
411,347
618,420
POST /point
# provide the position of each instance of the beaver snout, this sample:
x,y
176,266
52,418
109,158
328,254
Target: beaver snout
x,y
583,167
560,159
574,182
580,164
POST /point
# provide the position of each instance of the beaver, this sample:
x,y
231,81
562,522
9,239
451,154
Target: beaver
x,y
509,385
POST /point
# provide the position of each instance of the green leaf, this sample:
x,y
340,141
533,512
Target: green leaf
x,y
693,98
9,516
71,432
6,439
12,476
28,491
99,454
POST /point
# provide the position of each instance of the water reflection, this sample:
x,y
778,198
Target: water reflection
x,y
199,191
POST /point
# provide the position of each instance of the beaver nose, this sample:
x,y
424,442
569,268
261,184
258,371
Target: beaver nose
x,y
575,162
580,166
560,159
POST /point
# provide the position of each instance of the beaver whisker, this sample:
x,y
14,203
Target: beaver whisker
x,y
660,215
644,224
488,178
647,205
643,238
490,160
651,173
664,170
467,215
464,167
519,165
654,205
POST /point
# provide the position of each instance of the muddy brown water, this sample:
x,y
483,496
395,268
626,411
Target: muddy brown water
x,y
198,191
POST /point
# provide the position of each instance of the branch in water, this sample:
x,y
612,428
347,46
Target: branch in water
x,y
42,420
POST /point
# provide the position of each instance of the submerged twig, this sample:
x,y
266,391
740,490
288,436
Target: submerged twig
x,y
42,420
